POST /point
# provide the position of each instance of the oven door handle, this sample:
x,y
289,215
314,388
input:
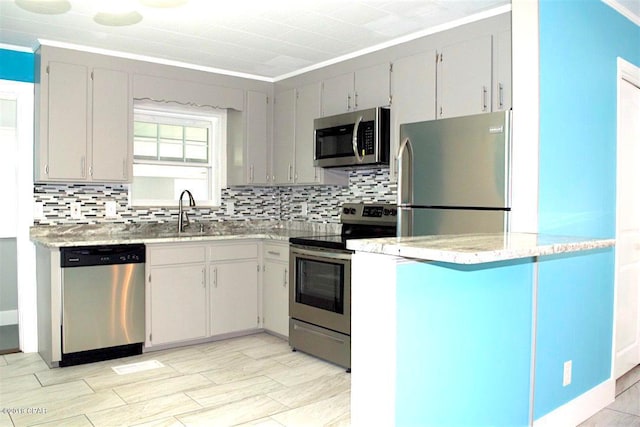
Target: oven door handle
x,y
320,254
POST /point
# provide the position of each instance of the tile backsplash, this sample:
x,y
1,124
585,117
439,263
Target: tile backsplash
x,y
249,203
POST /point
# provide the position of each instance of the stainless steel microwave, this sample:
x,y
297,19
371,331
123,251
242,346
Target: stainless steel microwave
x,y
352,139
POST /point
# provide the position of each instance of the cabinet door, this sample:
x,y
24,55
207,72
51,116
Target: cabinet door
x,y
502,71
372,87
67,122
337,95
464,78
257,148
413,83
284,111
307,109
234,296
111,126
275,303
178,303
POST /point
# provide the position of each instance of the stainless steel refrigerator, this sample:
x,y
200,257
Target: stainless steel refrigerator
x,y
454,175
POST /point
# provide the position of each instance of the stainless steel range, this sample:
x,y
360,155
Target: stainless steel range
x,y
320,274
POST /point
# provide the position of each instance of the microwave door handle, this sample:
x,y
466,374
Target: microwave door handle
x,y
405,173
359,158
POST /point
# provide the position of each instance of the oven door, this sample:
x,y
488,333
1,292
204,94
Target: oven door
x,y
321,287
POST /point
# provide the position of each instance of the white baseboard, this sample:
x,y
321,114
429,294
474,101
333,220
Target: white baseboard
x,y
8,317
580,408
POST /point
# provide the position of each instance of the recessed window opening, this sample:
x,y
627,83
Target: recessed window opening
x,y
175,151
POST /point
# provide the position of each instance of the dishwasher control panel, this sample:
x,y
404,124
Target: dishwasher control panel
x,y
83,256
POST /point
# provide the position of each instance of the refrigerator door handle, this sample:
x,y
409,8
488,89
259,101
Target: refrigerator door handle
x,y
359,158
405,179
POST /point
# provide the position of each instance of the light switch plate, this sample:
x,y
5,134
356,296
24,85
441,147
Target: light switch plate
x,y
304,208
110,209
38,210
76,213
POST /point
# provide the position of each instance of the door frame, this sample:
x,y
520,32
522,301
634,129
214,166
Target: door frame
x,y
27,297
630,73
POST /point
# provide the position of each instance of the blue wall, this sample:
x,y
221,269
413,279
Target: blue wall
x,y
18,66
579,45
464,334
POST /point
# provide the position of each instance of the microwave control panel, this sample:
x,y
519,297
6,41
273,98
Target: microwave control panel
x,y
366,138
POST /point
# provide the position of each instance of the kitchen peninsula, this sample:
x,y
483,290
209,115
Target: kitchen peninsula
x,y
471,329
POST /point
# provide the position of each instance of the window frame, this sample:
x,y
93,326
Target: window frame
x,y
186,116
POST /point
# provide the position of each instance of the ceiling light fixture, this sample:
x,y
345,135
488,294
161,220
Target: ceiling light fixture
x,y
163,3
117,19
46,7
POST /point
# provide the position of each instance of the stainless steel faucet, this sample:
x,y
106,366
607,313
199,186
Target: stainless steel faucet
x,y
183,218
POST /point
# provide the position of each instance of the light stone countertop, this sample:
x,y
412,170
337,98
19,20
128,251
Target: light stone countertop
x,y
148,233
477,248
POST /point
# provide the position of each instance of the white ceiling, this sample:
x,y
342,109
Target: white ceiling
x,y
265,39
268,39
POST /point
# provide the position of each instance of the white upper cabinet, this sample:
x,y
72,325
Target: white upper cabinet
x,y
63,141
359,90
372,86
307,109
295,110
337,93
464,78
111,130
502,71
413,95
248,146
284,137
84,123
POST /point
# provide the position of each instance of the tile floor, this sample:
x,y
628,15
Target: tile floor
x,y
252,381
249,381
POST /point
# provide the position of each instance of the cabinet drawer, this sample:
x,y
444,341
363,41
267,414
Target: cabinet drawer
x,y
177,254
276,252
233,251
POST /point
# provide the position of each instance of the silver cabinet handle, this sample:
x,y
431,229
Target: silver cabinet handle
x,y
500,96
215,277
82,172
356,101
274,253
286,277
484,98
348,101
290,176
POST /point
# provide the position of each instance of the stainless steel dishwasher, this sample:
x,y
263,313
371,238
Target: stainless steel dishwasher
x,y
102,302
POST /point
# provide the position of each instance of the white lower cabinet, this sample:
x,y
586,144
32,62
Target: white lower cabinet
x,y
275,288
234,296
196,291
176,294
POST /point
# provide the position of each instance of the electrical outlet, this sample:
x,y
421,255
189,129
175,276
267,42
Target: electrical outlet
x,y
230,208
304,208
110,209
38,210
76,213
566,374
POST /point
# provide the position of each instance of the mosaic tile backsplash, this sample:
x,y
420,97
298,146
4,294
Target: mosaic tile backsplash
x,y
250,203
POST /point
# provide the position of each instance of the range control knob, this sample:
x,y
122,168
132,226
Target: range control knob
x,y
352,211
386,212
394,212
345,211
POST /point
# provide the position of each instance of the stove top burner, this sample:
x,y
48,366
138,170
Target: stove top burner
x,y
359,221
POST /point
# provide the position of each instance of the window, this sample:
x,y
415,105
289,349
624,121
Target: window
x,y
175,151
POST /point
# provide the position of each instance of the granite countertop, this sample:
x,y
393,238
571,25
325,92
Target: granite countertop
x,y
477,248
112,234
